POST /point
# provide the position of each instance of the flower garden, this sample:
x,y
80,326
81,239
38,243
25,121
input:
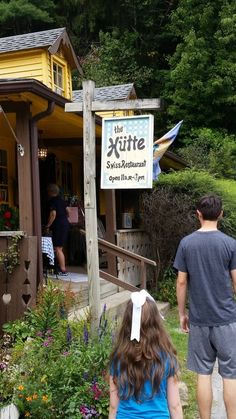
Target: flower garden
x,y
51,367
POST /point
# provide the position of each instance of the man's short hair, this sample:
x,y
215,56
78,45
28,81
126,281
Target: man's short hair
x,y
210,206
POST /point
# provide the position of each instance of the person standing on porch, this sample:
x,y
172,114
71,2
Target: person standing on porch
x,y
206,264
59,224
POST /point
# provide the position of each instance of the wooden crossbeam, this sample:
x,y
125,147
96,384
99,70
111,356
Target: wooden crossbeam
x,y
114,105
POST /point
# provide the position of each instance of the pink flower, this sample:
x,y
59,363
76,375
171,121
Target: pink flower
x,y
96,391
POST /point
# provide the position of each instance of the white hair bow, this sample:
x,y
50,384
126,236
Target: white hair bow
x,y
138,300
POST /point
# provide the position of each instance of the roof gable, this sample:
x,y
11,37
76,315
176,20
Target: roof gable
x,y
50,39
30,40
118,92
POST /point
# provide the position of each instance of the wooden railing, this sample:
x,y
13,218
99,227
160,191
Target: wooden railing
x,y
134,258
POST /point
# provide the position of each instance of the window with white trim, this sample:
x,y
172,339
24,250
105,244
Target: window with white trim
x,y
58,78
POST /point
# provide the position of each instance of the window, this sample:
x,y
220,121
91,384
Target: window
x,y
58,78
3,176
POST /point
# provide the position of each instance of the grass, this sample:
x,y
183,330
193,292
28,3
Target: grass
x,y
180,341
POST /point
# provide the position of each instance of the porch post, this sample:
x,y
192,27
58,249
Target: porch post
x,y
24,169
90,203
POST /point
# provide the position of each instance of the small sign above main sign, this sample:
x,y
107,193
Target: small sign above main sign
x,y
127,152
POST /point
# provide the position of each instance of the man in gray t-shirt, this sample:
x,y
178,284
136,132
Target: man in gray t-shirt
x,y
206,264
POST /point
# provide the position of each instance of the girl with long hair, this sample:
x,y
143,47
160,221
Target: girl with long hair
x,y
144,366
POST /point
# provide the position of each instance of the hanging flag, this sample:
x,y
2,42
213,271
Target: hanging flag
x,y
161,145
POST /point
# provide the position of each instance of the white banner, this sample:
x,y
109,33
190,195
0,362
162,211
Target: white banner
x,y
127,152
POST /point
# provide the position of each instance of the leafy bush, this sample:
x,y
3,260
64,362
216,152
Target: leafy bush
x,y
166,289
212,150
60,369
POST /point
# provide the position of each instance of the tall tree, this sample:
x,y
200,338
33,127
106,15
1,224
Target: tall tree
x,y
133,45
22,16
202,79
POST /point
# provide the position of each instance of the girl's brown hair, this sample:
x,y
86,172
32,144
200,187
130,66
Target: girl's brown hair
x,y
135,362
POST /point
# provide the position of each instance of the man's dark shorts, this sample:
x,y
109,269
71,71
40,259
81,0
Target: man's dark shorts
x,y
208,343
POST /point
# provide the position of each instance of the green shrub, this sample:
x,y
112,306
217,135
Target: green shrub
x,y
212,150
166,289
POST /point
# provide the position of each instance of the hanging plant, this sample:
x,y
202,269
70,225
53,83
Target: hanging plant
x,y
10,258
9,218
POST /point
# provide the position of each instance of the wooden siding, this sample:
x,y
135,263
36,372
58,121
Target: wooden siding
x,y
21,284
23,64
35,64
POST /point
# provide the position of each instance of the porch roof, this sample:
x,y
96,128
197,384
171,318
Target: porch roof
x,y
59,125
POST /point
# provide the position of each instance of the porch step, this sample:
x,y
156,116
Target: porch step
x,y
107,288
115,306
81,290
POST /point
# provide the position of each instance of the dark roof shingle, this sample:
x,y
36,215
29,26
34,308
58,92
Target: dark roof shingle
x,y
118,92
30,40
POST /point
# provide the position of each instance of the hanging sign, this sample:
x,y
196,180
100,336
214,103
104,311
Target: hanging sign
x,y
127,152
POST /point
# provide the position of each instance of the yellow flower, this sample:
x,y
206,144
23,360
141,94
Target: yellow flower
x,y
35,396
21,387
27,414
45,398
20,395
29,398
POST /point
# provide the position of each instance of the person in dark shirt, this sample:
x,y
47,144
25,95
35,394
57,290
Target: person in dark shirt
x,y
59,224
206,264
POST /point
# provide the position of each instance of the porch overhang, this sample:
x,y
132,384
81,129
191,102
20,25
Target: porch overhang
x,y
59,124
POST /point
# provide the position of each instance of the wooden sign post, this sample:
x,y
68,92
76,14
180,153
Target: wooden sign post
x,y
89,107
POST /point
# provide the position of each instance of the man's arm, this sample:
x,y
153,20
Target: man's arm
x,y
181,292
233,276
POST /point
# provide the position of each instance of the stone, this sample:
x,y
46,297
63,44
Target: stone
x,y
183,391
9,412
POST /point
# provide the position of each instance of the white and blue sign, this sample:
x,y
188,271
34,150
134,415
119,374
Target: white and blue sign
x,y
127,152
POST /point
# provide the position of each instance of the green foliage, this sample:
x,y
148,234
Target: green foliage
x,y
125,42
9,258
212,150
19,330
9,218
102,62
201,82
58,372
196,183
19,16
166,289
